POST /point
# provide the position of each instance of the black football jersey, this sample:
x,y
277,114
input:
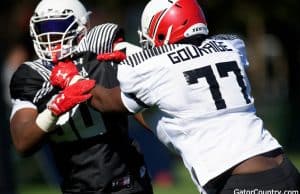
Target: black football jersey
x,y
91,149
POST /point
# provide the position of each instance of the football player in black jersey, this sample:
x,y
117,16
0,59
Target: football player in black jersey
x,y
92,150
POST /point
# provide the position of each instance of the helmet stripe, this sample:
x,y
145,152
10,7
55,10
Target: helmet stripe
x,y
154,23
157,20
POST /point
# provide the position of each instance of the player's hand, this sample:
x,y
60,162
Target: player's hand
x,y
64,74
116,56
71,96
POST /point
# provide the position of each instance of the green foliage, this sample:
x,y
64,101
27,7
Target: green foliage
x,y
38,189
183,183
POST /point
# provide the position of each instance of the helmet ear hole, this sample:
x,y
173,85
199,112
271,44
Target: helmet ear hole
x,y
185,22
161,37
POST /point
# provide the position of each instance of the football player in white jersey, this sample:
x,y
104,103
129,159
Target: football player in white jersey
x,y
193,92
91,150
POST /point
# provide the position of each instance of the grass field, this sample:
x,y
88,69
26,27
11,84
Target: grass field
x,y
183,183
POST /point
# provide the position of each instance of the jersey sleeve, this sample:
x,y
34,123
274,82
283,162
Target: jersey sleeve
x,y
29,86
239,44
22,89
135,93
25,83
129,48
19,104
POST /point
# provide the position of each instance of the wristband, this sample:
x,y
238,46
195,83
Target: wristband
x,y
46,120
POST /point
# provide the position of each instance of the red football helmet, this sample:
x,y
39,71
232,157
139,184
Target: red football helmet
x,y
167,22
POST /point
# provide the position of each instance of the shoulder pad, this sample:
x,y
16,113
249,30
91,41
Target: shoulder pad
x,y
99,39
25,82
225,37
139,57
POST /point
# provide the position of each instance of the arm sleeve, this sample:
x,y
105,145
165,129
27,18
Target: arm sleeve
x,y
130,103
20,104
135,93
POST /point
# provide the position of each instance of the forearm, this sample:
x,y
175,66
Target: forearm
x,y
26,134
107,100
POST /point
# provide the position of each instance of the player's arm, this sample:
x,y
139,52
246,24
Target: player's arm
x,y
104,99
64,74
107,100
27,136
29,128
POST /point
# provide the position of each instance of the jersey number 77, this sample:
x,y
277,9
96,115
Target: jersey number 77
x,y
223,68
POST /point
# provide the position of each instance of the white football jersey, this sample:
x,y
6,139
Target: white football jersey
x,y
198,100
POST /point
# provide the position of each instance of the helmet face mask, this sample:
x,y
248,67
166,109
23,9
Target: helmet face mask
x,y
146,41
168,22
57,29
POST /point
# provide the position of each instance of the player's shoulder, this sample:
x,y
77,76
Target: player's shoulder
x,y
106,28
27,79
145,66
147,55
233,39
100,38
236,42
31,70
225,37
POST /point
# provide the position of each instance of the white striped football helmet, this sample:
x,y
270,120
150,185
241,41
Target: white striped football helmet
x,y
56,28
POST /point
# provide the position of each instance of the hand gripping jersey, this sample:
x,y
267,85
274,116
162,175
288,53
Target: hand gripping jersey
x,y
197,98
92,150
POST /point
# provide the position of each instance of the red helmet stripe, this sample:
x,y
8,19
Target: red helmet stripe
x,y
155,22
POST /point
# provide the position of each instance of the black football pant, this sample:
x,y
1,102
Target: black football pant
x,y
283,179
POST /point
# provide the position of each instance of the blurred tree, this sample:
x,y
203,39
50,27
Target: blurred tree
x,y
252,19
6,169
